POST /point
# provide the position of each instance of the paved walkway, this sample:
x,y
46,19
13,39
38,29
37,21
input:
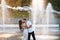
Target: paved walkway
x,y
20,37
53,33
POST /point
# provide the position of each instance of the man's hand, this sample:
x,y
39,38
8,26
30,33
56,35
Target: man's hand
x,y
30,26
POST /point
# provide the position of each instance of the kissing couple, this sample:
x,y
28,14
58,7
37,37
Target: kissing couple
x,y
27,28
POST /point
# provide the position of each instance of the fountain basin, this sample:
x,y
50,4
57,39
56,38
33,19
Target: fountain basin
x,y
14,28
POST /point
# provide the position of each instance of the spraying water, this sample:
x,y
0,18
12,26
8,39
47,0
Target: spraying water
x,y
49,14
38,14
3,13
34,11
3,10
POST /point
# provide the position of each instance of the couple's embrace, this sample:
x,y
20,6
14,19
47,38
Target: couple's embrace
x,y
27,28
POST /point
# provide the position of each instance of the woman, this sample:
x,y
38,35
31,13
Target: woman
x,y
22,26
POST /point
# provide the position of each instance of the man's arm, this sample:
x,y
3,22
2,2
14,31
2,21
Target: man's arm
x,y
30,26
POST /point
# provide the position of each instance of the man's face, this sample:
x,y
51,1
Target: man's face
x,y
24,21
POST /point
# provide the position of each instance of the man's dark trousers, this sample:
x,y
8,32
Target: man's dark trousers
x,y
33,35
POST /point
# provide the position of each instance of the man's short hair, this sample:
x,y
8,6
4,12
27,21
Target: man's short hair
x,y
24,19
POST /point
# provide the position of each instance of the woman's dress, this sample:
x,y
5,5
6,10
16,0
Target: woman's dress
x,y
25,31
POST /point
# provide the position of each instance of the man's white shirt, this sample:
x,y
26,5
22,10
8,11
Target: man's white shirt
x,y
28,23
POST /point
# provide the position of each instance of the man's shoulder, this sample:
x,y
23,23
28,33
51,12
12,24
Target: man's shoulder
x,y
29,22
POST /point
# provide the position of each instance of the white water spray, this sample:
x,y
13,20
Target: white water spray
x,y
3,13
3,10
37,14
34,11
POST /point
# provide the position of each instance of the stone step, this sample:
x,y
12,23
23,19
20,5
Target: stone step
x,y
38,30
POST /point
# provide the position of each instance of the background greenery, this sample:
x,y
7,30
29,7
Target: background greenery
x,y
15,3
18,2
55,4
18,14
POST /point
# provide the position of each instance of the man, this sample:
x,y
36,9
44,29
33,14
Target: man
x,y
30,29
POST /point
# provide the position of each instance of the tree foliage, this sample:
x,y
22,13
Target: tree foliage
x,y
19,14
15,3
25,2
18,2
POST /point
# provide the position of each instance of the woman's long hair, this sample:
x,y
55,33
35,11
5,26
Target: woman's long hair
x,y
20,22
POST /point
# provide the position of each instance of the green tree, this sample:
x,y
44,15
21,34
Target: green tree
x,y
26,2
19,14
13,2
18,2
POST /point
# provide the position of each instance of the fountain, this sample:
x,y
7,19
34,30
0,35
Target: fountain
x,y
49,14
38,11
3,13
3,10
43,16
4,7
40,16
